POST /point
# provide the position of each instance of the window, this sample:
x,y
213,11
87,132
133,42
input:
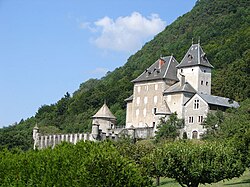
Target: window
x,y
155,99
154,110
200,119
138,89
156,86
181,70
137,112
206,83
196,104
138,100
201,82
191,119
145,100
144,112
204,71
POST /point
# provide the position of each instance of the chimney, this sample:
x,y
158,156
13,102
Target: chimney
x,y
161,62
182,79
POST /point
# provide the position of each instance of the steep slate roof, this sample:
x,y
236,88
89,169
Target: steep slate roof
x,y
104,112
194,57
163,68
177,87
219,101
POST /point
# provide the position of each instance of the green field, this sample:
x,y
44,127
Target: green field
x,y
243,181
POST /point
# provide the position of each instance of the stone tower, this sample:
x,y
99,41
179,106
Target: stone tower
x,y
104,119
196,69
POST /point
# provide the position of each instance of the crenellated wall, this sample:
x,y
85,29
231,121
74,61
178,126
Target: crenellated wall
x,y
45,141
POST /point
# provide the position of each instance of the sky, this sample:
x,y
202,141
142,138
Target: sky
x,y
50,47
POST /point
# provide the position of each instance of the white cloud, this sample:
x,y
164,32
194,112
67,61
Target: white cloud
x,y
125,33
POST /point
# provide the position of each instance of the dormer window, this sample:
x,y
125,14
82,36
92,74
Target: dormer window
x,y
148,73
190,57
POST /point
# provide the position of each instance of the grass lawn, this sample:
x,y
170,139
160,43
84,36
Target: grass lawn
x,y
243,181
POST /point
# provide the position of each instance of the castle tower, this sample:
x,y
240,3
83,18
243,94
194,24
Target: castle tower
x,y
35,132
35,136
196,69
104,118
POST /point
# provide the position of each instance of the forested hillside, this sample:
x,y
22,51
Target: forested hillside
x,y
224,30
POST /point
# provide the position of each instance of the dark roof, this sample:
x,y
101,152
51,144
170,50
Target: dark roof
x,y
177,87
163,68
195,57
129,98
104,112
219,101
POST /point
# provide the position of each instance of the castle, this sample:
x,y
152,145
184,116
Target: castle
x,y
164,88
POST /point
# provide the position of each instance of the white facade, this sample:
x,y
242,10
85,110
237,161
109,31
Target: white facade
x,y
183,88
198,77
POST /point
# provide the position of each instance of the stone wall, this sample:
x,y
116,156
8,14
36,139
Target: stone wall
x,y
45,141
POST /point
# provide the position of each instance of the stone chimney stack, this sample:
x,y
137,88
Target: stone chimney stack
x,y
161,62
182,81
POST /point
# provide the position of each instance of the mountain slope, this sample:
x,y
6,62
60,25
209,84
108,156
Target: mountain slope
x,y
224,30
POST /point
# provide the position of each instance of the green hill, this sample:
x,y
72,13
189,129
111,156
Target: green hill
x,y
224,30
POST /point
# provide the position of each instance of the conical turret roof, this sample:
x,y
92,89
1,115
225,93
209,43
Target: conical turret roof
x,y
104,112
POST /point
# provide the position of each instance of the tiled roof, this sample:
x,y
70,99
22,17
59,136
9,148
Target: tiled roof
x,y
219,101
163,68
177,87
194,57
104,112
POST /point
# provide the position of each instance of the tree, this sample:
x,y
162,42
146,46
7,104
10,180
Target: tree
x,y
212,123
84,164
193,163
152,164
169,129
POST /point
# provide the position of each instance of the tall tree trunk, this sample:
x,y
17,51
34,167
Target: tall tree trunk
x,y
157,181
195,184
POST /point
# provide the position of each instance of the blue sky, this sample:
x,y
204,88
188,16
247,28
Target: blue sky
x,y
50,47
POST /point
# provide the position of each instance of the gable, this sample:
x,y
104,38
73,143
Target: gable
x,y
195,97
